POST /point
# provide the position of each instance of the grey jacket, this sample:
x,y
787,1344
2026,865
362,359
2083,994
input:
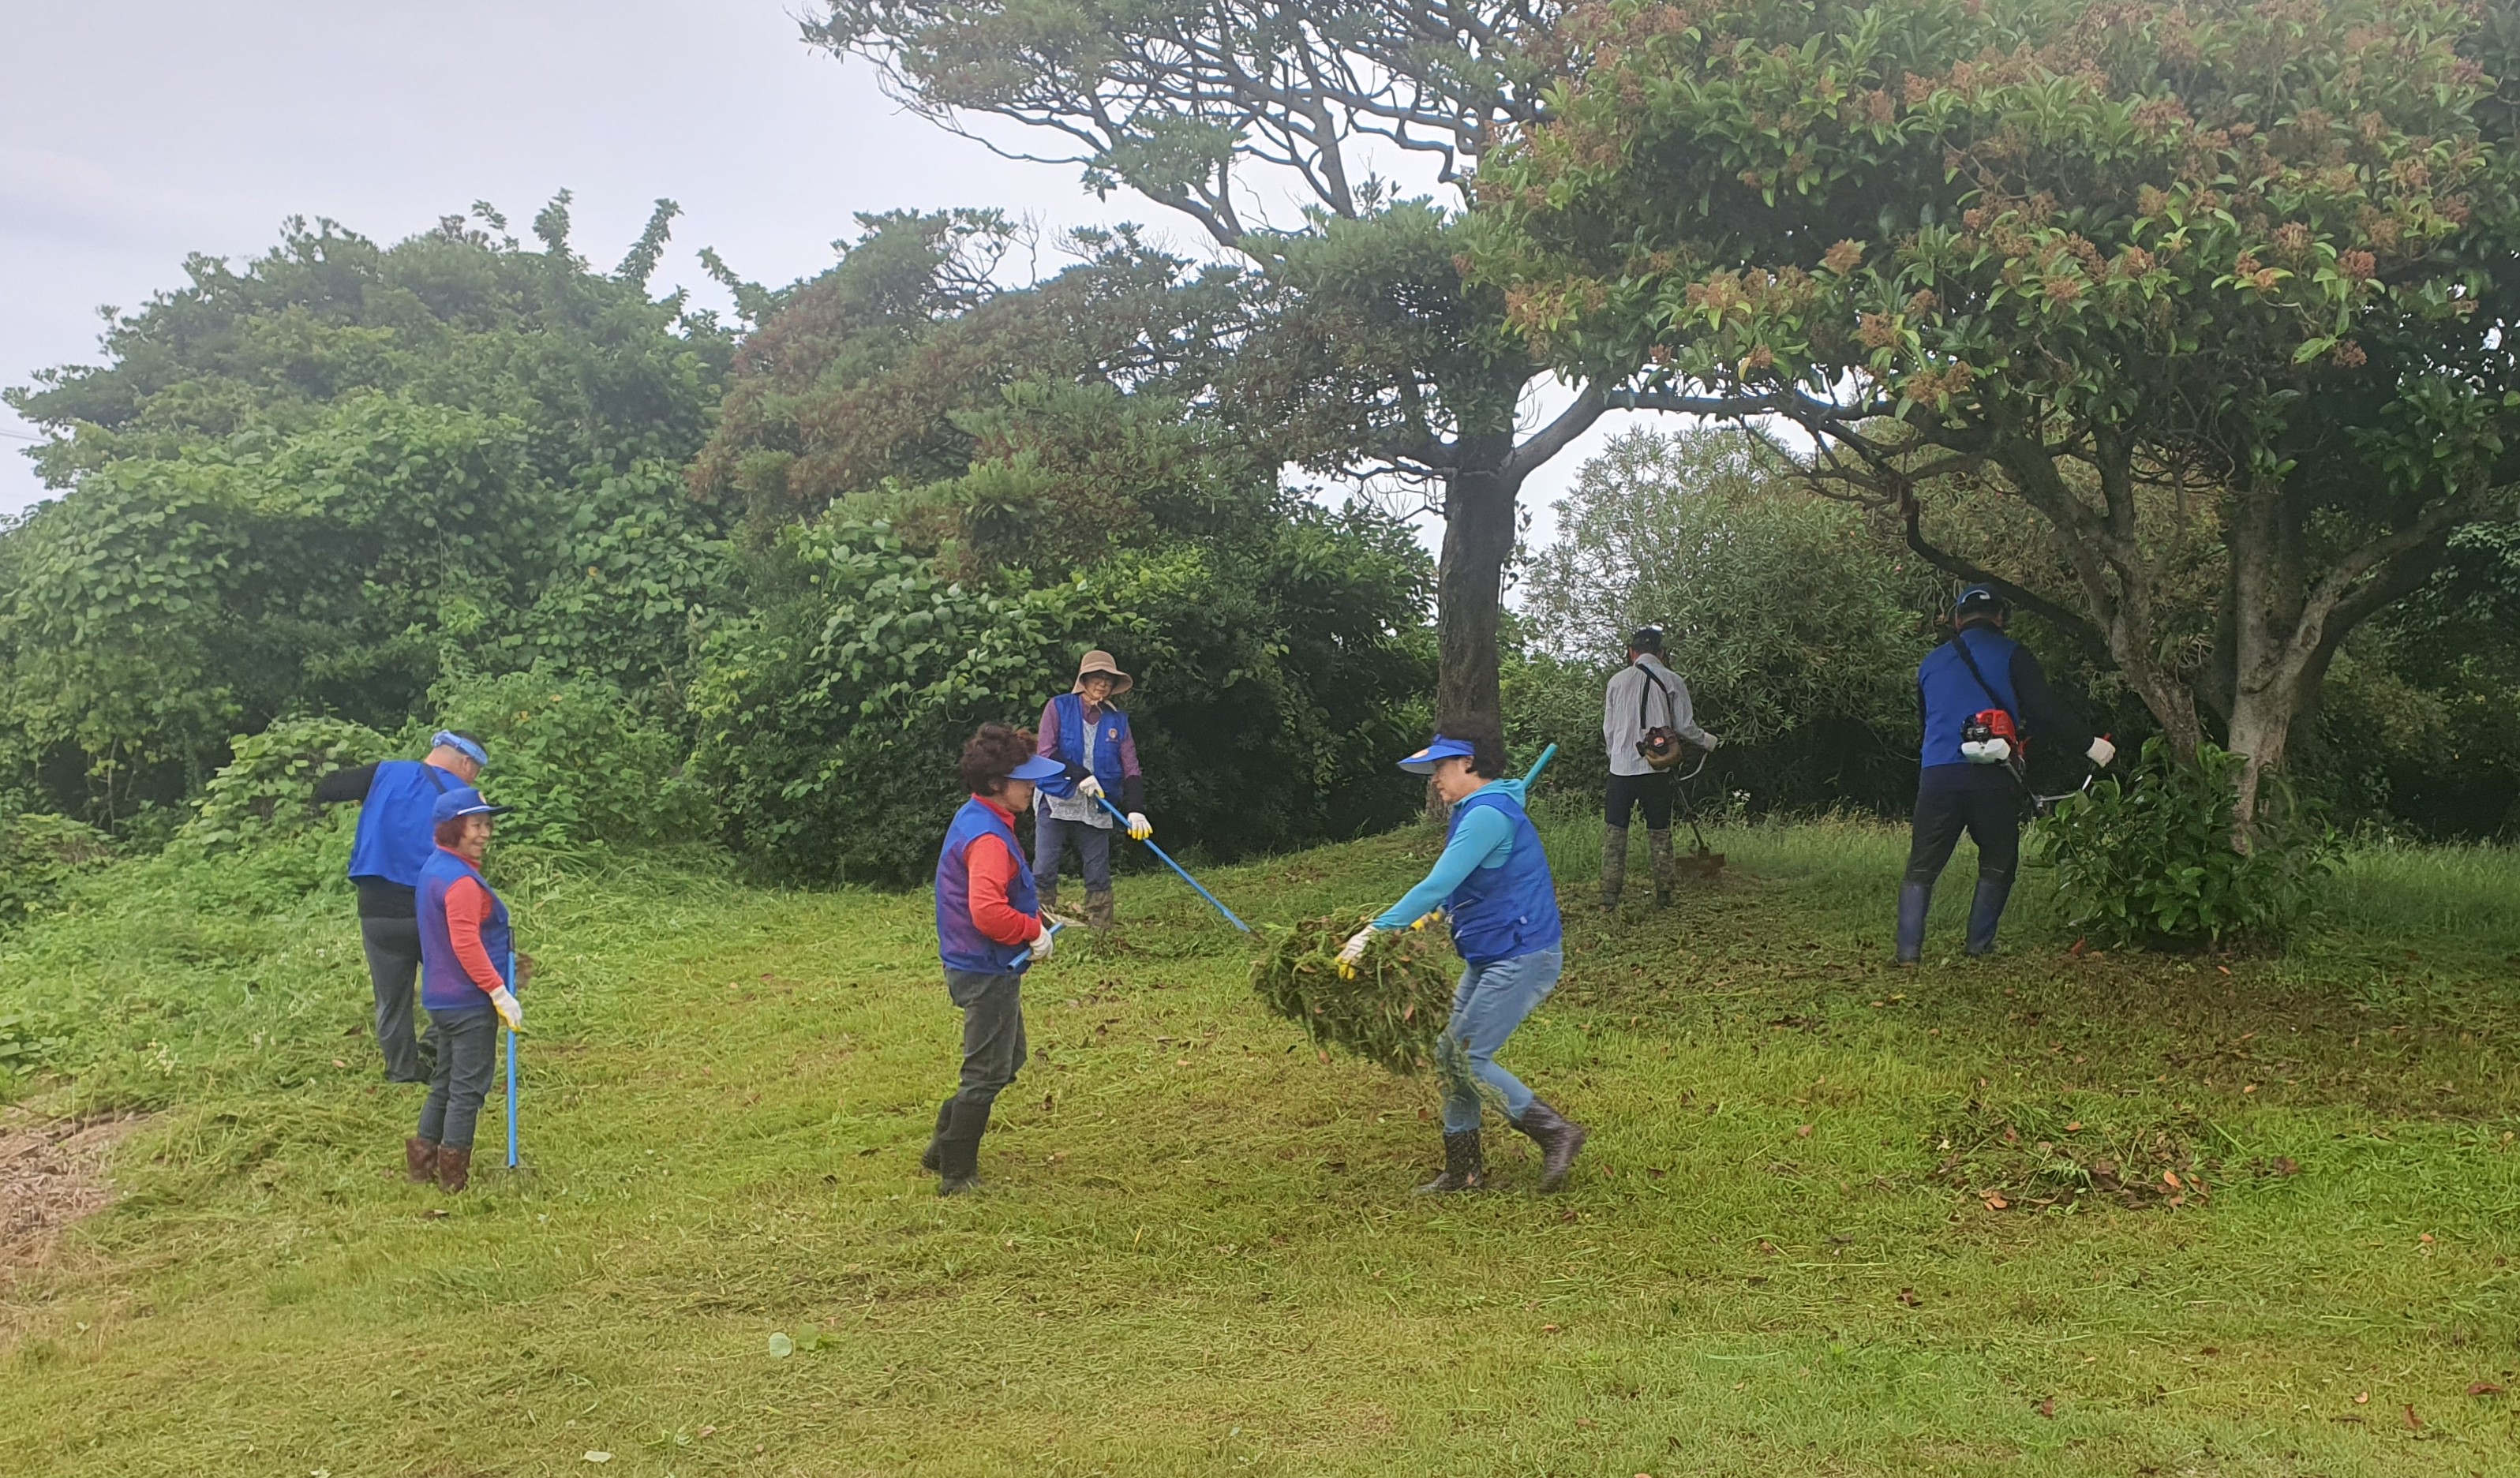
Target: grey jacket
x,y
1666,706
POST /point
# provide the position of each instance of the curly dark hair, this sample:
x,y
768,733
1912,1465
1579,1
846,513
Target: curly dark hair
x,y
992,755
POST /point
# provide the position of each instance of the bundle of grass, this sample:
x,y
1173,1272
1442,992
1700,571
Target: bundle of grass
x,y
1391,1011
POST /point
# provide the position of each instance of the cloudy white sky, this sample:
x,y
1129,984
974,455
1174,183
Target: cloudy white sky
x,y
133,132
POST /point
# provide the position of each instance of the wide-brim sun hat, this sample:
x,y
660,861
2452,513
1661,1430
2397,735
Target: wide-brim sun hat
x,y
1423,761
1098,660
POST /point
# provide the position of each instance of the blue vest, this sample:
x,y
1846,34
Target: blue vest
x,y
1952,695
962,945
395,833
444,984
1501,912
1102,758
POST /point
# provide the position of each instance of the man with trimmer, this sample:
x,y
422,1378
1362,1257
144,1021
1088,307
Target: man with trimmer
x,y
1986,698
1649,729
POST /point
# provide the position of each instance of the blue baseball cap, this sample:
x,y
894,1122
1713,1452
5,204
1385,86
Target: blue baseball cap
x,y
463,800
1423,761
1039,767
448,739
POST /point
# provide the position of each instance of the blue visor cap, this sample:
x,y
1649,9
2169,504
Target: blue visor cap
x,y
463,800
448,739
1039,767
1423,761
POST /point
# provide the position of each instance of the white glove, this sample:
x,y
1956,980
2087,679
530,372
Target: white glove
x,y
1712,743
1139,829
2102,752
1353,950
1091,788
1040,944
504,1002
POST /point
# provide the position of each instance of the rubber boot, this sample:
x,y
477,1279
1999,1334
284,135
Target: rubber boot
x,y
419,1159
927,1161
1914,898
957,1152
453,1167
1559,1141
1100,912
1046,895
1985,910
1614,867
1465,1168
1666,869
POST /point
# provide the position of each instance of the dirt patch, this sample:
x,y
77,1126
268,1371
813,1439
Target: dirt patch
x,y
52,1174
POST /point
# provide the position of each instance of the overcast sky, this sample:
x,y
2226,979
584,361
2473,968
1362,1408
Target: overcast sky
x,y
133,132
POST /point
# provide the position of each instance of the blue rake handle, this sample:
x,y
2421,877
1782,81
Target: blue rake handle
x,y
1531,777
1106,805
1024,956
512,1074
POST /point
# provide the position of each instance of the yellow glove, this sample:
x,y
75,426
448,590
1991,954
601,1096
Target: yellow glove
x,y
1139,829
1431,915
504,1002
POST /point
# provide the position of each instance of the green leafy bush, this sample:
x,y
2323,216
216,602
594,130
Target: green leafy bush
x,y
575,757
266,790
38,853
2150,860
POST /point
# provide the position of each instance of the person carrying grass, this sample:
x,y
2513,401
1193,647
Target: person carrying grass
x,y
467,952
989,931
1492,881
394,798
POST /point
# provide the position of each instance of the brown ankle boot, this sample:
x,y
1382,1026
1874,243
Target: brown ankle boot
x,y
419,1159
453,1167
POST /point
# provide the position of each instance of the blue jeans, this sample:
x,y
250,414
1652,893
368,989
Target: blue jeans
x,y
1050,839
1489,1004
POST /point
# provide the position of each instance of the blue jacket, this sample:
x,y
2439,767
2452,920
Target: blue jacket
x,y
1509,910
444,984
395,834
1952,695
961,945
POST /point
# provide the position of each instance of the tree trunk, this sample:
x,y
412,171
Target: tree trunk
x,y
1479,495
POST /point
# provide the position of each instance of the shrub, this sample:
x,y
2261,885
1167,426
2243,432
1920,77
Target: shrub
x,y
2150,860
266,788
581,765
38,853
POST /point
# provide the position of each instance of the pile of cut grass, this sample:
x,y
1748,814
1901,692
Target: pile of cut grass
x,y
1388,1009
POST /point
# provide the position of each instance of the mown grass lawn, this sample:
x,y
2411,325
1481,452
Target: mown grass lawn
x,y
1199,1253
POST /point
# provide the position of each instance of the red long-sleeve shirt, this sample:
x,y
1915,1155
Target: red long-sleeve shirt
x,y
467,904
992,864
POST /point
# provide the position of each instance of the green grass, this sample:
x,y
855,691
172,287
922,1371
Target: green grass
x,y
1197,1251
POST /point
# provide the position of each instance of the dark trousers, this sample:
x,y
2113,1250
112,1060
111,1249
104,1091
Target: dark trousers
x,y
1050,839
993,1050
392,947
468,1044
1985,802
1650,793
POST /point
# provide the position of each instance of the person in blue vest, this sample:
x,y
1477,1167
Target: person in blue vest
x,y
989,931
1098,757
394,841
469,974
1492,881
1972,775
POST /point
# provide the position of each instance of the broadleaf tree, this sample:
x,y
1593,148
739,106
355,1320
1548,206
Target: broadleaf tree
x,y
2227,275
1372,355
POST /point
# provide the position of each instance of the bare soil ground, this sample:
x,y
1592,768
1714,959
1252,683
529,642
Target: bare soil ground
x,y
52,1175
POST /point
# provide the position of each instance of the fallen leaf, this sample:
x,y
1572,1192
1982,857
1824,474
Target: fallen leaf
x,y
2075,1127
2048,1409
2080,945
2363,1400
2484,1388
780,1347
2414,1423
2424,1238
1803,1133
1553,1328
709,1431
1995,1203
1908,1297
593,1455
